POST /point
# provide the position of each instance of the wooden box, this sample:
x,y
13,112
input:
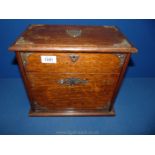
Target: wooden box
x,y
72,70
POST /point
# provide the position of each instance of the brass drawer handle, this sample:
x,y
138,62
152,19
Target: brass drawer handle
x,y
72,81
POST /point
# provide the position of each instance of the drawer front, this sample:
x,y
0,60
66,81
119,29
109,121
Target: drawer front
x,y
72,91
74,63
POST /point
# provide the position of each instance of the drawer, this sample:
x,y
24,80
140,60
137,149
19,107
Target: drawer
x,y
73,91
74,63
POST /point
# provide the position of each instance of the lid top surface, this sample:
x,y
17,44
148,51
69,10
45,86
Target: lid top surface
x,y
74,38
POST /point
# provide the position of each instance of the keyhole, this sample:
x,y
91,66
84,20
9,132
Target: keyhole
x,y
74,57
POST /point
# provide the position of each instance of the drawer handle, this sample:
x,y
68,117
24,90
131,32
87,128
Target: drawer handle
x,y
72,81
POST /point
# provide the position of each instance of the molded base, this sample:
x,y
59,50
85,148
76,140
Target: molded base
x,y
72,113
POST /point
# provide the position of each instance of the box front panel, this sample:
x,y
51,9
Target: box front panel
x,y
73,63
72,91
65,81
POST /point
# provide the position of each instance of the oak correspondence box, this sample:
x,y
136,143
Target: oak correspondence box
x,y
72,70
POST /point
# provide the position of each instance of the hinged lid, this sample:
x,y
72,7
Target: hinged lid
x,y
72,38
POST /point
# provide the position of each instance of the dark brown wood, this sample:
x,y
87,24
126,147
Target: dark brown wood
x,y
26,83
55,38
91,63
49,94
88,72
73,113
120,79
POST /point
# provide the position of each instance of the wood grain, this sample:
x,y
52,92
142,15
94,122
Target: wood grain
x,y
85,87
54,113
24,76
54,38
115,92
95,94
86,63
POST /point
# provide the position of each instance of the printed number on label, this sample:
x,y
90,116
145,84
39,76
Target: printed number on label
x,y
48,59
